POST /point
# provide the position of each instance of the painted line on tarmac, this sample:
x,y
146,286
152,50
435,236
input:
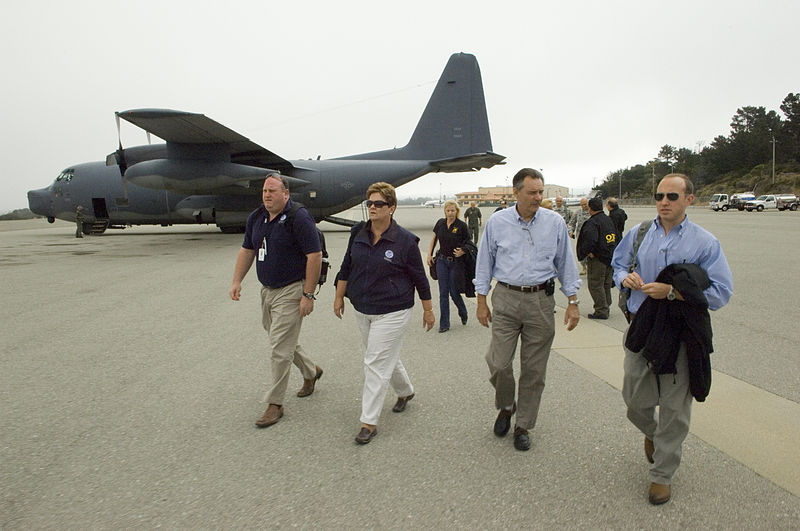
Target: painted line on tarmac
x,y
759,429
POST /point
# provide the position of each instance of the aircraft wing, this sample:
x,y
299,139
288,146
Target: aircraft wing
x,y
191,128
473,162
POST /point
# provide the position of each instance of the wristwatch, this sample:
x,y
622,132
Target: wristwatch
x,y
671,294
309,295
574,301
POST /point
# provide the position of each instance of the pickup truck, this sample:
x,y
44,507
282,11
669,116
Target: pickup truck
x,y
761,203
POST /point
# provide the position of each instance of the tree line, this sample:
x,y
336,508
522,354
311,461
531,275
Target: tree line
x,y
741,161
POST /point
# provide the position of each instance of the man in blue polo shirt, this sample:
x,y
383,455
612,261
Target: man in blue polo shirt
x,y
289,257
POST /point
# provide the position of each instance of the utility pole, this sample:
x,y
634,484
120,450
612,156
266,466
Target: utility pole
x,y
773,159
654,178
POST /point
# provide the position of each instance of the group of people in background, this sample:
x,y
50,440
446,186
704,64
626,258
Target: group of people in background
x,y
671,271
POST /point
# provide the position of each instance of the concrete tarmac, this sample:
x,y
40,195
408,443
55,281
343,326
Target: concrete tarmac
x,y
130,382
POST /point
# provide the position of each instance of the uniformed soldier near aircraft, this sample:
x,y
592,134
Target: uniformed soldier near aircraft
x,y
289,256
680,273
563,209
79,222
472,216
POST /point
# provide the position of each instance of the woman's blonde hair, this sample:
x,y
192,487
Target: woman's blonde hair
x,y
451,202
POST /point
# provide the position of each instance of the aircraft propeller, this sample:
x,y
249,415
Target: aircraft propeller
x,y
121,162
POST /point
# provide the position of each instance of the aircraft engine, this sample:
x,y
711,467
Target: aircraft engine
x,y
191,176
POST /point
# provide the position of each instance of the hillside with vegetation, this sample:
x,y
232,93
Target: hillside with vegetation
x,y
739,162
20,213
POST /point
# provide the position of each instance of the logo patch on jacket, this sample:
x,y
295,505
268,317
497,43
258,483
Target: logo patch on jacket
x,y
388,255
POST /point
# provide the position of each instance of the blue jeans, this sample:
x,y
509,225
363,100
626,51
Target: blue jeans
x,y
445,271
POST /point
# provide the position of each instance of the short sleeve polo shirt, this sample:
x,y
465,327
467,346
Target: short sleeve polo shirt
x,y
281,244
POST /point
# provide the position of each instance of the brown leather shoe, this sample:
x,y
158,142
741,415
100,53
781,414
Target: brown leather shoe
x,y
272,415
649,449
308,385
400,406
659,493
365,436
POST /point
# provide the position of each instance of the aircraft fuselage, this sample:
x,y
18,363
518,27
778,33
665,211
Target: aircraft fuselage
x,y
207,173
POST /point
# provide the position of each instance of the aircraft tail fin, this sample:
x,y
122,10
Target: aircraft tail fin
x,y
453,132
454,123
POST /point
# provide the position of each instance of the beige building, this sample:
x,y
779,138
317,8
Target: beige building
x,y
492,195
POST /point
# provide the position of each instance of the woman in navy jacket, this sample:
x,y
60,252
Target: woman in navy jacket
x,y
380,271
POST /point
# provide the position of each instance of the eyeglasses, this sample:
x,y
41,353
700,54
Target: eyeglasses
x,y
672,196
527,230
377,204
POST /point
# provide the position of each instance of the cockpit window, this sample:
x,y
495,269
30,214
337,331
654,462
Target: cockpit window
x,y
65,176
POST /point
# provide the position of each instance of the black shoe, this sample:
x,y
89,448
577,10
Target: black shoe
x,y
595,316
365,436
444,329
400,406
503,422
522,441
464,319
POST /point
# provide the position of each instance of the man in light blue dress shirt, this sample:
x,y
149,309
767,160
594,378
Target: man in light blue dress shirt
x,y
671,239
524,248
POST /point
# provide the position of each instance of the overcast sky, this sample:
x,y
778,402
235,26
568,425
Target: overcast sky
x,y
578,89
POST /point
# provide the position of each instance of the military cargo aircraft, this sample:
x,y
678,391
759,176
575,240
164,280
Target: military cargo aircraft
x,y
207,173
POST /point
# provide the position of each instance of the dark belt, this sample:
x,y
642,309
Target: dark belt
x,y
524,289
443,257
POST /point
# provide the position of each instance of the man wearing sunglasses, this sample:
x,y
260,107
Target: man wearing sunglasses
x,y
702,281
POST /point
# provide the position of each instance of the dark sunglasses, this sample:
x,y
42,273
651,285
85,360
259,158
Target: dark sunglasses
x,y
672,196
378,204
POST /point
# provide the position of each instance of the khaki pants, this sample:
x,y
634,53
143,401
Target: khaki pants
x,y
529,315
281,319
599,281
643,391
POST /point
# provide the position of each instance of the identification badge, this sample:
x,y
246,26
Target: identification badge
x,y
262,252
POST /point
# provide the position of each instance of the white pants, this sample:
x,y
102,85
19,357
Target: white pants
x,y
383,338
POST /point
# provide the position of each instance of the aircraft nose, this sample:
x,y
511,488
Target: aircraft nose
x,y
39,202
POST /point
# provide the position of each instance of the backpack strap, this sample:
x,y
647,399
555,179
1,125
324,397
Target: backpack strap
x,y
643,228
624,293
